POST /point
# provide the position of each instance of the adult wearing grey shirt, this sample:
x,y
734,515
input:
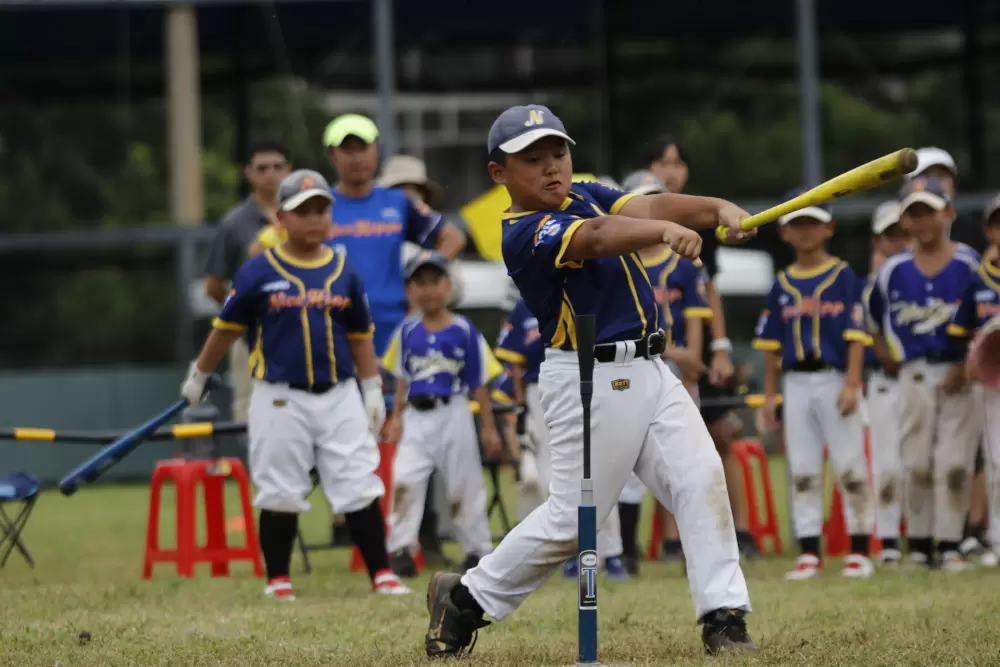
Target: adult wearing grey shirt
x,y
267,165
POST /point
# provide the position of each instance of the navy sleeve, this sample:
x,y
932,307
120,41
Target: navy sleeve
x,y
423,224
608,198
357,317
237,313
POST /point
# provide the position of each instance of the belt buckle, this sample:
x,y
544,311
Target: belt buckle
x,y
658,335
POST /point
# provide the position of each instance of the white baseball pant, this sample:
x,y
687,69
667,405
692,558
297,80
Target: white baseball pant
x,y
646,423
887,459
292,431
938,435
444,439
635,491
991,445
609,536
812,420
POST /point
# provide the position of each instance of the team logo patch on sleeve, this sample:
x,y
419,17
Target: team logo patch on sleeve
x,y
621,384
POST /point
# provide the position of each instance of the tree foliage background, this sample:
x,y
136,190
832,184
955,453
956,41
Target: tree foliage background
x,y
104,164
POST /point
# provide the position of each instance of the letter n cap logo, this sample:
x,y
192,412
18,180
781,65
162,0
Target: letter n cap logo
x,y
535,117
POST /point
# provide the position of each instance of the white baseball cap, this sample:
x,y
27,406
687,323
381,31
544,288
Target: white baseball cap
x,y
991,208
885,216
931,156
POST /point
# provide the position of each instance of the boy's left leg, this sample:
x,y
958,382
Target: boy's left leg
x,y
959,427
845,443
458,458
347,458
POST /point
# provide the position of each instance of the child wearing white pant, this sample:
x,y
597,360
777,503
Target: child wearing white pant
x,y
438,358
882,395
812,331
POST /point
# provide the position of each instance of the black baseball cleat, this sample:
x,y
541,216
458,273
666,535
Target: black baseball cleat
x,y
452,631
402,563
631,564
747,545
471,561
725,631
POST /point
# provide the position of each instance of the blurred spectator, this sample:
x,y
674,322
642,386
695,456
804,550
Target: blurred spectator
x,y
410,175
968,229
372,222
666,158
267,165
938,163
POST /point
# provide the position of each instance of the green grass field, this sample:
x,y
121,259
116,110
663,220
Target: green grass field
x,y
89,555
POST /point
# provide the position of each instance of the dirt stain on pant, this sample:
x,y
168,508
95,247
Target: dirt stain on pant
x,y
887,493
804,483
400,496
957,481
918,489
718,500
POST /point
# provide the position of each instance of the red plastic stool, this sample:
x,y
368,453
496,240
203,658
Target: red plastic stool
x,y
186,476
745,452
387,452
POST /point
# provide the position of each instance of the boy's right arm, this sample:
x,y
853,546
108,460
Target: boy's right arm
x,y
772,380
615,235
394,427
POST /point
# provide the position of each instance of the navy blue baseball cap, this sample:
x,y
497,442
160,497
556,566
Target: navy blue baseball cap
x,y
924,190
519,127
820,212
422,259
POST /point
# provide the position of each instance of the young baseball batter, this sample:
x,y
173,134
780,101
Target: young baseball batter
x,y
308,314
679,287
915,297
520,345
812,333
570,248
980,303
888,239
439,358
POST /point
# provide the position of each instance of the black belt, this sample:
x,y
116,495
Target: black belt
x,y
313,388
649,347
425,403
809,366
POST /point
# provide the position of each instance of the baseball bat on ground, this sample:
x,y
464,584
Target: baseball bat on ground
x,y
859,179
110,456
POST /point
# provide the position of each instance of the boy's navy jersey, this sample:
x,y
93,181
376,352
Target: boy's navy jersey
x,y
679,287
372,230
452,361
300,315
520,342
980,303
812,314
616,290
866,286
912,311
502,388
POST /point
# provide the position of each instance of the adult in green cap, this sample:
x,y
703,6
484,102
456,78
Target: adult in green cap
x,y
372,223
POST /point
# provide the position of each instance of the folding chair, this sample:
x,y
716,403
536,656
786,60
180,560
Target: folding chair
x,y
17,487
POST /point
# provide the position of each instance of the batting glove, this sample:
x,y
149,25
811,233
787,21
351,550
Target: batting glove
x,y
193,387
371,393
